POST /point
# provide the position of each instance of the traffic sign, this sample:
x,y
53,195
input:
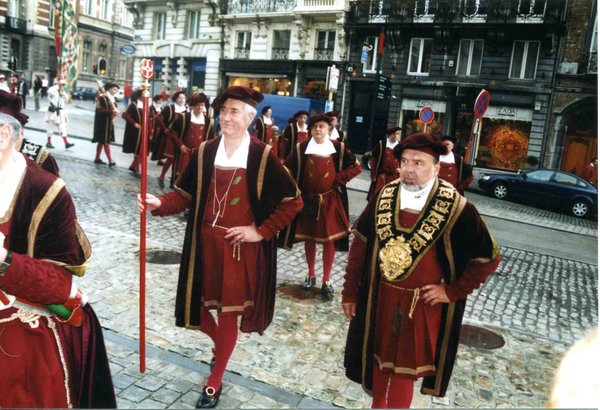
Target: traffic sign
x,y
127,49
426,114
481,103
384,88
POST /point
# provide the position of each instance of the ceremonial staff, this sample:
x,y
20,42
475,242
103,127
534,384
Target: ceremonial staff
x,y
147,70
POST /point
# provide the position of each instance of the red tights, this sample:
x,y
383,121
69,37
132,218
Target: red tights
x,y
224,336
106,151
166,167
390,392
310,250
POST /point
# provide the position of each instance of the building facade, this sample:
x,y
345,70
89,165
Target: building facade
x,y
573,125
183,38
442,54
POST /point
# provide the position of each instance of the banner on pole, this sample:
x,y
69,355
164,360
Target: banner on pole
x,y
66,39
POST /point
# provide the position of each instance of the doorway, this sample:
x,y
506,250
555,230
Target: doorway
x,y
361,101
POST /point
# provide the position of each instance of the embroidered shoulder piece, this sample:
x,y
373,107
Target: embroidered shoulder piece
x,y
401,249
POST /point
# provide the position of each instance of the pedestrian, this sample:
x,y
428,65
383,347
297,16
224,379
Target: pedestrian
x,y
420,248
44,87
56,115
132,138
37,91
239,196
163,148
384,166
336,133
591,172
127,90
321,168
295,132
104,130
188,131
22,90
53,353
453,167
4,84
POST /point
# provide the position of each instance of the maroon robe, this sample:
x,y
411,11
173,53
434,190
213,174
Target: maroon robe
x,y
104,130
184,132
262,131
384,168
466,255
274,200
289,138
41,272
132,136
459,174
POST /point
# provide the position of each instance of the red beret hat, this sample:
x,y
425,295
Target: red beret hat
x,y
333,113
426,143
196,99
319,118
11,104
236,92
392,129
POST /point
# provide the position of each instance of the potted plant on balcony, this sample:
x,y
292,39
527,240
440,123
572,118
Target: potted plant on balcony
x,y
315,90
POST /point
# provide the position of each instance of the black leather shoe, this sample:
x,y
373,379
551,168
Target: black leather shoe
x,y
99,162
161,182
309,282
49,145
69,145
112,164
327,289
209,398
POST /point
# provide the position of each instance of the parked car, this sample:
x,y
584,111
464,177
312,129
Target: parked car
x,y
544,188
119,96
84,93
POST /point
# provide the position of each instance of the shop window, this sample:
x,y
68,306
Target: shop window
x,y
160,22
469,57
194,24
411,123
369,57
420,56
281,44
524,58
242,46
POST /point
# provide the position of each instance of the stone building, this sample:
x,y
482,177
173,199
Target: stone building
x,y
573,124
441,54
183,37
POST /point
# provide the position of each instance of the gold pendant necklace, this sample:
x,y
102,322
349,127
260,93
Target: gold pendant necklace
x,y
220,202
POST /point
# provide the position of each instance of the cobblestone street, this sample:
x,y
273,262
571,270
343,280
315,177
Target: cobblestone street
x,y
538,304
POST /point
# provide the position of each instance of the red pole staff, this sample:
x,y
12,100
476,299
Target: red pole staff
x,y
147,70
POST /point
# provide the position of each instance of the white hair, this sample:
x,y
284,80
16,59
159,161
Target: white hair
x,y
13,122
250,110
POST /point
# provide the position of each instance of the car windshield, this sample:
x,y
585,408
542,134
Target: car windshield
x,y
542,175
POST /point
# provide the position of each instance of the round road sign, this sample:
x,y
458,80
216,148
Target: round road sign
x,y
426,114
481,103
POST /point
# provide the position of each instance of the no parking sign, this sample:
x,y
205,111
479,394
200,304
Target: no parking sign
x,y
481,103
426,114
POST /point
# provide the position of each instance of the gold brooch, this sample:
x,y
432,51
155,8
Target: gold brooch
x,y
395,258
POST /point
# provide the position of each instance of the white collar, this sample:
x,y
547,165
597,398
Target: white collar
x,y
179,108
415,200
111,97
303,129
447,158
197,119
239,159
140,104
267,120
335,135
323,150
157,107
390,145
16,167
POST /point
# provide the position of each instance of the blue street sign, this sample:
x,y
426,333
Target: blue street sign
x,y
481,103
426,114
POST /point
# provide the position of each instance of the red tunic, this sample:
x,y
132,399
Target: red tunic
x,y
229,281
449,173
193,138
389,170
331,223
301,137
268,133
403,345
169,150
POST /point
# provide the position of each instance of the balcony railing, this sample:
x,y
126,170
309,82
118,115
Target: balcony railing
x,y
474,11
321,5
242,52
324,54
590,62
16,24
280,53
260,6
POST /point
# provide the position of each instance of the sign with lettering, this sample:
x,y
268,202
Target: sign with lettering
x,y
384,88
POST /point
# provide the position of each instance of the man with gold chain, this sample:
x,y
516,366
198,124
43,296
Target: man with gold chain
x,y
420,249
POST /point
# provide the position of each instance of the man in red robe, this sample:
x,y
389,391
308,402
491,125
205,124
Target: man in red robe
x,y
239,196
591,172
384,165
336,134
453,168
104,129
52,349
162,147
420,249
322,168
295,132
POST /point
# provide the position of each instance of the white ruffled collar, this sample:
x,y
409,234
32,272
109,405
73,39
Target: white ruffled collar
x,y
323,150
415,199
447,158
390,145
197,119
239,159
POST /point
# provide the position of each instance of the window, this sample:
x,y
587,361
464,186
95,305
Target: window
x,y
85,54
194,24
51,15
369,54
325,40
281,44
420,56
565,179
105,9
593,58
542,176
89,7
242,46
469,57
531,11
161,25
524,59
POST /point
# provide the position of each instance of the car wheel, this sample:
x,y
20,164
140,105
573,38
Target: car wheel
x,y
580,208
500,190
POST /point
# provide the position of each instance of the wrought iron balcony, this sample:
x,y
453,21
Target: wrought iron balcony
x,y
242,52
321,5
589,63
260,6
324,54
16,24
280,53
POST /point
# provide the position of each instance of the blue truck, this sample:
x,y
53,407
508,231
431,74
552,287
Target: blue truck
x,y
285,107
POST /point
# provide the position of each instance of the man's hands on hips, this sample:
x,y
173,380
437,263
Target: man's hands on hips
x,y
152,203
434,294
243,234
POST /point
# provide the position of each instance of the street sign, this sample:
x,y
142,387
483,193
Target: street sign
x,y
384,88
481,103
328,105
333,77
127,49
426,114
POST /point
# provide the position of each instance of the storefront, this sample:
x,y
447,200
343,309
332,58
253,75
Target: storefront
x,y
409,116
268,77
274,84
